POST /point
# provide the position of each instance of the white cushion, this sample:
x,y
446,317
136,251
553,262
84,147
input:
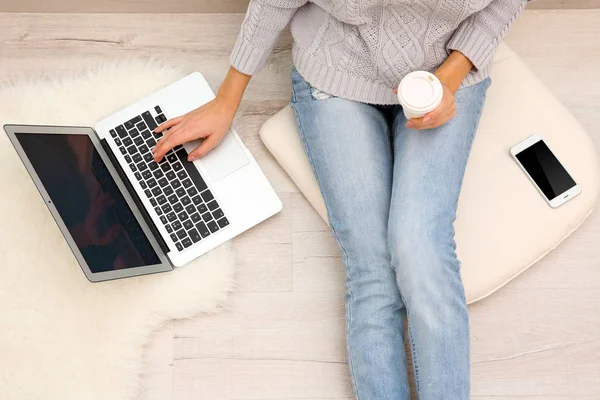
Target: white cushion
x,y
503,224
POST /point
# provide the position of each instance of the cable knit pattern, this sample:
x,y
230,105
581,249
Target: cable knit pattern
x,y
361,49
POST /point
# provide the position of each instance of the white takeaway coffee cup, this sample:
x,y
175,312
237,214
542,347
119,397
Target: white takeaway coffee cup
x,y
419,92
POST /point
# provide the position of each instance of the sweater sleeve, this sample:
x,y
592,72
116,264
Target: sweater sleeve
x,y
478,36
264,21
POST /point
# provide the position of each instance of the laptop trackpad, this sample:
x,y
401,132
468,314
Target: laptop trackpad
x,y
226,158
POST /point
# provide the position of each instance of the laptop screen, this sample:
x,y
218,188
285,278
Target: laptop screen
x,y
88,201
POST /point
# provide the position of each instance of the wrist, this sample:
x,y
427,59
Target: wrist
x,y
454,70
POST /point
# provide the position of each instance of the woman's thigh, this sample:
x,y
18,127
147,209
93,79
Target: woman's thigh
x,y
428,172
349,147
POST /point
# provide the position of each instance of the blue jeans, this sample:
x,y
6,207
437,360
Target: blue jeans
x,y
391,195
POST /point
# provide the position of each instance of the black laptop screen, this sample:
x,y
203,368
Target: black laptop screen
x,y
88,201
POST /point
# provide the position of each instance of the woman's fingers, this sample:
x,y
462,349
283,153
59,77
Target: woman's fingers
x,y
167,143
168,124
207,145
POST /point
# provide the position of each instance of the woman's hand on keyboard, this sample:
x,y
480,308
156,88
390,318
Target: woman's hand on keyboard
x,y
209,122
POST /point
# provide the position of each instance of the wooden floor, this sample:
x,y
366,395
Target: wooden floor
x,y
283,337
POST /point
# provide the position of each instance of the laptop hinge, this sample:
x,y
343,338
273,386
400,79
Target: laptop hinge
x,y
135,197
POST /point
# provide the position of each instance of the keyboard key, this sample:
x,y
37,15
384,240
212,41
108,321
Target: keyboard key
x,y
143,185
174,237
159,174
185,200
212,225
146,134
175,183
163,219
151,183
180,192
148,157
134,133
148,193
144,149
196,217
179,246
121,131
194,235
177,166
138,176
182,174
176,225
187,183
192,191
165,166
213,205
202,208
171,157
197,200
188,224
168,227
178,207
132,149
127,142
171,217
207,196
223,222
190,209
168,190
158,210
191,170
161,200
218,213
182,216
156,191
151,142
153,166
167,208
131,123
161,118
133,167
141,126
177,147
207,216
153,202
127,159
118,142
123,151
173,199
147,174
138,141
170,175
181,234
158,110
186,242
201,226
113,133
137,157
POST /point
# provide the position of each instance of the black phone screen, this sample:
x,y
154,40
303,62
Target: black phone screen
x,y
545,169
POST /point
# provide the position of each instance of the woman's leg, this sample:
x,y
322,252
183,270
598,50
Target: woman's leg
x,y
428,172
349,147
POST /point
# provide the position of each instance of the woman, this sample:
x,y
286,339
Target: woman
x,y
391,186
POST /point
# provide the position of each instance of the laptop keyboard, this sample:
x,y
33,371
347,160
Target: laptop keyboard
x,y
175,188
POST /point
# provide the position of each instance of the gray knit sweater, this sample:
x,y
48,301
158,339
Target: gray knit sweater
x,y
361,49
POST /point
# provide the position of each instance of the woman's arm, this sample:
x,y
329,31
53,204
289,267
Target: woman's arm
x,y
478,36
265,19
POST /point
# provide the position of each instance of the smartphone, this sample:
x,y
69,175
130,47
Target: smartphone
x,y
544,170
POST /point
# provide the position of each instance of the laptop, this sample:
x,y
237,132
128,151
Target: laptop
x,y
125,215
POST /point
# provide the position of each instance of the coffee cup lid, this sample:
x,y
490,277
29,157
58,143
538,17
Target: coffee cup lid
x,y
420,91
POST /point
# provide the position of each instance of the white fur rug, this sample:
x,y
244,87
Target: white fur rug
x,y
62,337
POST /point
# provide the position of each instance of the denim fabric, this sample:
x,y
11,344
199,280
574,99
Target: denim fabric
x,y
391,195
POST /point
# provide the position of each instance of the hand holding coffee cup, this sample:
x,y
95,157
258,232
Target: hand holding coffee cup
x,y
427,103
